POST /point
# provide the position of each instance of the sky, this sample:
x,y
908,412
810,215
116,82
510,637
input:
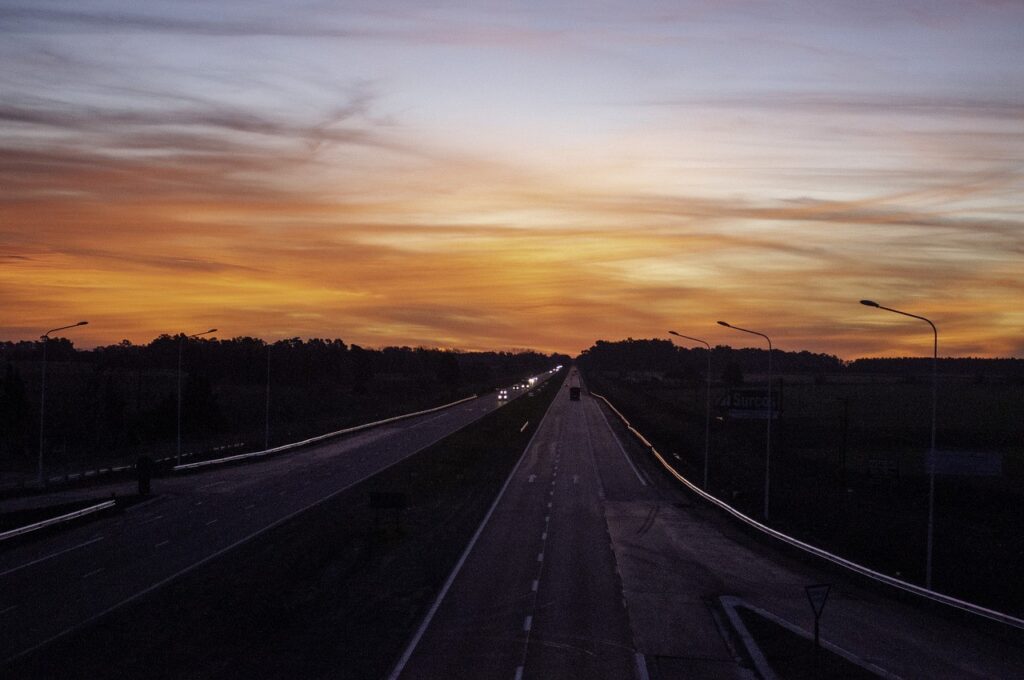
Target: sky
x,y
505,175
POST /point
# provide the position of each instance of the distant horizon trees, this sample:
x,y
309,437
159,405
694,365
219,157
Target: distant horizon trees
x,y
123,397
731,364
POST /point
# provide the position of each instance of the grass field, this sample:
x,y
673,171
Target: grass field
x,y
335,592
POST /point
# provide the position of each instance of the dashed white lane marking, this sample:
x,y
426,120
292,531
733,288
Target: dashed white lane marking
x,y
7,609
535,585
544,536
93,572
519,673
161,544
198,503
540,557
549,504
212,521
547,518
43,559
250,506
151,519
532,477
575,479
528,623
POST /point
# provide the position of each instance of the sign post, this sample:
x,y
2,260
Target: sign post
x,y
816,595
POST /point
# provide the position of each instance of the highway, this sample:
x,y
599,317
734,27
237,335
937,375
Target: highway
x,y
593,563
596,564
54,583
539,594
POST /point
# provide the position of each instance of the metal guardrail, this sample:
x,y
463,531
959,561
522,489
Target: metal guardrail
x,y
313,440
28,528
899,584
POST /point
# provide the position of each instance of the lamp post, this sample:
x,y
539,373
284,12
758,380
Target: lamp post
x,y
707,406
931,454
45,337
266,434
768,443
181,342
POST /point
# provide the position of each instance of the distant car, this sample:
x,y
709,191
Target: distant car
x,y
502,395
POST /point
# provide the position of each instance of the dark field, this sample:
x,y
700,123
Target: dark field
x,y
334,592
848,472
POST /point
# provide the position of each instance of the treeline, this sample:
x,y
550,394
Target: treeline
x,y
667,360
121,399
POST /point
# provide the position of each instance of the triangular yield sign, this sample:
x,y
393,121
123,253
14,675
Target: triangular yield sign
x,y
816,595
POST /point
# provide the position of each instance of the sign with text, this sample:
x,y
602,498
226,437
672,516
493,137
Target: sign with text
x,y
750,404
967,463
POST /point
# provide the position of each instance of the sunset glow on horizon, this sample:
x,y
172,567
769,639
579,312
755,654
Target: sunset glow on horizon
x,y
515,175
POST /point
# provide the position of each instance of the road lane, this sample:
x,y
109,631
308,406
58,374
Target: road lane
x,y
194,517
538,596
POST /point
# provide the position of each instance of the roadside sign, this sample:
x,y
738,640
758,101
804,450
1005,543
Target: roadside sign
x,y
750,404
816,595
966,463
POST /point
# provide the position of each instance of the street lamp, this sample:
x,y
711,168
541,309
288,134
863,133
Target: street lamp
x,y
181,342
931,462
768,443
266,432
45,337
707,408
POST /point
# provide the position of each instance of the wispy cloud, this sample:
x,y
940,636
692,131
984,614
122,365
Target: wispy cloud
x,y
399,173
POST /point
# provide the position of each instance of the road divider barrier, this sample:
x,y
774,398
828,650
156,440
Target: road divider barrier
x,y
313,440
28,528
899,584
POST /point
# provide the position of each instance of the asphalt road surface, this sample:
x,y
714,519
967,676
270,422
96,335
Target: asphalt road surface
x,y
57,582
539,595
596,564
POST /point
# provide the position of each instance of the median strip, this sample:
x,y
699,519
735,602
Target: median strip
x,y
313,440
28,528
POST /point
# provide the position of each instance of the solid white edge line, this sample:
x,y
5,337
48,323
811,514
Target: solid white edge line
x,y
730,602
764,670
411,647
618,443
855,567
50,556
220,552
